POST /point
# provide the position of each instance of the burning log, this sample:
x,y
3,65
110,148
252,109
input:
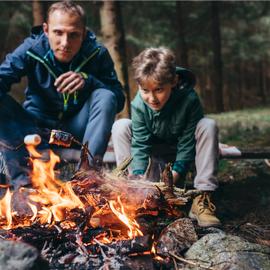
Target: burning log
x,y
110,186
136,245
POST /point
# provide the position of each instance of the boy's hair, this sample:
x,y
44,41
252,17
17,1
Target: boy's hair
x,y
70,8
155,63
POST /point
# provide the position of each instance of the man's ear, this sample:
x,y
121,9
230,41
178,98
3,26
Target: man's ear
x,y
45,28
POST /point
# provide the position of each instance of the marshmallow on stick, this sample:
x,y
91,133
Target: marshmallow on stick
x,y
33,139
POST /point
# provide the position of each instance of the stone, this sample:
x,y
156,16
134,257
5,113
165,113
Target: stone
x,y
15,255
224,251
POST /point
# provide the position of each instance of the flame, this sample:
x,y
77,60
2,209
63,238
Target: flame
x,y
132,224
5,209
51,200
34,210
55,196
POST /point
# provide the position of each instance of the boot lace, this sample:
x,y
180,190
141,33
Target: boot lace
x,y
205,204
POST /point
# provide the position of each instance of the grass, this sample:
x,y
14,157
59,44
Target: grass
x,y
250,127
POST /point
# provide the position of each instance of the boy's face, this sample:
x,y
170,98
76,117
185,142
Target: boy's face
x,y
65,34
155,95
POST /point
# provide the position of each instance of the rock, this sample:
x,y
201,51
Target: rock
x,y
176,237
224,251
15,255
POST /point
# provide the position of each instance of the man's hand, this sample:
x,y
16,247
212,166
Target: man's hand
x,y
69,82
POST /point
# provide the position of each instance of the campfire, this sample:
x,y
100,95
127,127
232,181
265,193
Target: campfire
x,y
92,220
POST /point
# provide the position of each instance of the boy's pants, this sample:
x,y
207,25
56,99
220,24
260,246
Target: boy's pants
x,y
92,123
206,159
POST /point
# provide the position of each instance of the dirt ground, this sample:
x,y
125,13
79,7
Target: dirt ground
x,y
243,200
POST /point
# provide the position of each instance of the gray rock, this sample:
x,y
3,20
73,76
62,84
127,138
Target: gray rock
x,y
224,251
176,237
15,255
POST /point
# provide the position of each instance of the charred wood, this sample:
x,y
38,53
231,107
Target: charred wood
x,y
136,245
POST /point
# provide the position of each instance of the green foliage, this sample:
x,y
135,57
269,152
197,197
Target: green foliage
x,y
146,23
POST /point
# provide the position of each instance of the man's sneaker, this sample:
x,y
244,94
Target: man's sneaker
x,y
203,210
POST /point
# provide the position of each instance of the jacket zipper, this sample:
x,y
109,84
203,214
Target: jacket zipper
x,y
77,70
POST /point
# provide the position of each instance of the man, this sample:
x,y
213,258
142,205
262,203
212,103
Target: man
x,y
72,84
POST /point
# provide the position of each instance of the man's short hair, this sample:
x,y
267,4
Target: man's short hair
x,y
69,7
155,63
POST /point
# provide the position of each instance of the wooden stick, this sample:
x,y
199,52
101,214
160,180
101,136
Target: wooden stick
x,y
190,262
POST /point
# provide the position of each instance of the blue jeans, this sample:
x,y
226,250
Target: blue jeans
x,y
94,122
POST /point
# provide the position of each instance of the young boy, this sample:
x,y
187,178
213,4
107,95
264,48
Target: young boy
x,y
167,125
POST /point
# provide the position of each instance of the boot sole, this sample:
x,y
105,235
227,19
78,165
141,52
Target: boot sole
x,y
201,224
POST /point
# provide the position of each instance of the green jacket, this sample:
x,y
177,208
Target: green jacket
x,y
175,124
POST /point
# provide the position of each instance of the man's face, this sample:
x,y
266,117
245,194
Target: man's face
x,y
155,95
65,33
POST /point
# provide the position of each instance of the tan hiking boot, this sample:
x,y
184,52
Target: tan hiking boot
x,y
203,210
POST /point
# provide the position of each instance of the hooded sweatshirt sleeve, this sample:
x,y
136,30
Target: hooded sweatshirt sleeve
x,y
14,67
141,140
186,143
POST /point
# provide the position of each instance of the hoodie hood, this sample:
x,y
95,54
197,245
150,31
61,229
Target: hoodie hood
x,y
187,78
184,87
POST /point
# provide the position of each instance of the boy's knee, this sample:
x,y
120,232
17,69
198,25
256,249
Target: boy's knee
x,y
208,126
121,126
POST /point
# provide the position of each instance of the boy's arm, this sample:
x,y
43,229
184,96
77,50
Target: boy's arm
x,y
140,144
186,142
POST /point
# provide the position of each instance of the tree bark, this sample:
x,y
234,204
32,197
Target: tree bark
x,y
39,12
114,39
181,27
217,79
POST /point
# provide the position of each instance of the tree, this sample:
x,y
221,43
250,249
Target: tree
x,y
39,12
114,39
181,27
217,79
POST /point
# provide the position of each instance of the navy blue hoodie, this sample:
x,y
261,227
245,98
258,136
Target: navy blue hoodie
x,y
34,59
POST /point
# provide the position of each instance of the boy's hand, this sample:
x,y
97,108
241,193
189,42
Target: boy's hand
x,y
69,82
176,177
136,177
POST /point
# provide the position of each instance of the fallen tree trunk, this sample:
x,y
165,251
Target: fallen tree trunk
x,y
248,154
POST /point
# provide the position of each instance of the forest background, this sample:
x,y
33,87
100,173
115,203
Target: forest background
x,y
225,43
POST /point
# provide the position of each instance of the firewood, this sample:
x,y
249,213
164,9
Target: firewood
x,y
140,262
136,245
110,186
